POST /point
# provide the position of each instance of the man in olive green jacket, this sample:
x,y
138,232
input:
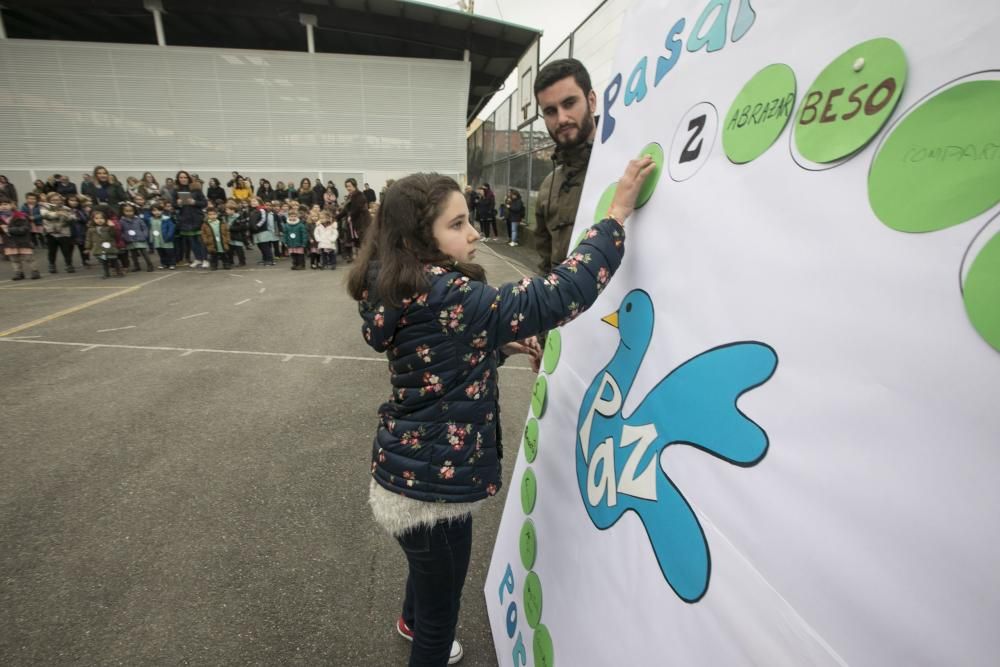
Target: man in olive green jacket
x,y
567,102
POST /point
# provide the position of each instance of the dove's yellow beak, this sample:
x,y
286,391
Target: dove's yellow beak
x,y
611,319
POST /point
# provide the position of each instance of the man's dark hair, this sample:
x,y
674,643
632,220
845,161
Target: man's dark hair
x,y
557,70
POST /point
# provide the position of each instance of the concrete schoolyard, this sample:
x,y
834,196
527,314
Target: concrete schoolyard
x,y
184,472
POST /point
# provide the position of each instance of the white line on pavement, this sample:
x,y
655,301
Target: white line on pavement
x,y
131,326
187,351
262,290
259,282
235,275
240,303
187,317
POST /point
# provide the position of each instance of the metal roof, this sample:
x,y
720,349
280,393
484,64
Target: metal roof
x,y
356,27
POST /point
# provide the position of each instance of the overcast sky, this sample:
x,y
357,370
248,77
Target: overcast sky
x,y
555,18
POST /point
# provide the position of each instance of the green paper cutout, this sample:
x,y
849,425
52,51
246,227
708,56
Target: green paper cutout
x,y
538,396
655,151
603,204
553,349
533,600
831,125
759,113
940,165
982,293
528,544
529,491
531,440
542,650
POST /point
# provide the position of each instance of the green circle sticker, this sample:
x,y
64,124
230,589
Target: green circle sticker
x,y
553,348
531,440
542,647
850,100
759,113
604,203
940,165
538,396
529,491
655,151
982,292
529,544
533,599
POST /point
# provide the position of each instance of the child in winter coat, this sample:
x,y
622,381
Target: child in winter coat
x,y
325,236
135,232
161,229
18,246
57,220
73,203
102,242
426,305
215,236
311,225
239,225
264,225
33,212
296,239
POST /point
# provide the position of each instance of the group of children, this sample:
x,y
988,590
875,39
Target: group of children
x,y
139,231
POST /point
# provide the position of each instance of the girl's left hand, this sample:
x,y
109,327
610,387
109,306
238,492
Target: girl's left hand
x,y
529,346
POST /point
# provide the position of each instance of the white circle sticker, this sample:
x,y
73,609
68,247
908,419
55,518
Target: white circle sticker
x,y
131,232
291,236
156,233
105,245
693,141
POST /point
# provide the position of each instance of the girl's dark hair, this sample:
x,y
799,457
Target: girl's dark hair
x,y
401,241
177,177
354,182
94,173
214,183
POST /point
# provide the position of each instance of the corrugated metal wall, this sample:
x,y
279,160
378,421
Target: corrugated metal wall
x,y
68,106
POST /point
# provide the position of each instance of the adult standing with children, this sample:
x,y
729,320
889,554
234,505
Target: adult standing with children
x,y
445,331
354,217
189,206
108,194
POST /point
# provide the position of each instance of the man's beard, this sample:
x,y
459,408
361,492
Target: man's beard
x,y
582,135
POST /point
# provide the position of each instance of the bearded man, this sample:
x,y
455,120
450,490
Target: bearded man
x,y
567,102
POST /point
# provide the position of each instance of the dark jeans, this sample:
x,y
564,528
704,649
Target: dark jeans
x,y
488,224
438,559
330,258
63,244
266,251
237,254
136,253
217,257
185,246
167,257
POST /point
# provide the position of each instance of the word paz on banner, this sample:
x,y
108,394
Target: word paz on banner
x,y
709,33
618,456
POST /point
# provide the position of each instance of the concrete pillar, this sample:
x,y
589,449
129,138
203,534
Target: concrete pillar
x,y
156,7
310,22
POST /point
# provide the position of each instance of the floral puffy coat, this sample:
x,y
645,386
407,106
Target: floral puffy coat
x,y
438,438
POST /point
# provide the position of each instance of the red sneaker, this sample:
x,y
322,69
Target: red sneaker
x,y
406,633
403,629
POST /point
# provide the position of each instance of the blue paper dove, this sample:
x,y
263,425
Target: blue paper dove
x,y
618,456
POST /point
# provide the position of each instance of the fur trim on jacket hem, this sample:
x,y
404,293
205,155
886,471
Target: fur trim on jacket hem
x,y
397,513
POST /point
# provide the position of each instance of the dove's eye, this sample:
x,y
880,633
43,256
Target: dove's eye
x,y
628,307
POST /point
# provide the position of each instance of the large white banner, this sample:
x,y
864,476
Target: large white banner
x,y
775,439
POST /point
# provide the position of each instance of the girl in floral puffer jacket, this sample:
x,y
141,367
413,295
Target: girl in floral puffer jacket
x,y
445,332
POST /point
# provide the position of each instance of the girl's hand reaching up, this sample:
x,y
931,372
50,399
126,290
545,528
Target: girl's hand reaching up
x,y
529,346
